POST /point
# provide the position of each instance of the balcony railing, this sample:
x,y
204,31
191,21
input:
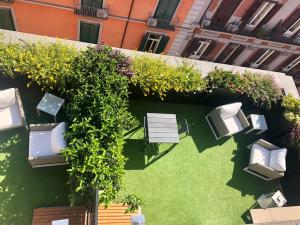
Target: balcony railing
x,y
261,33
162,24
7,1
88,11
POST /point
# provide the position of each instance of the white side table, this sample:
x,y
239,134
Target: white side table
x,y
50,104
60,222
258,122
274,199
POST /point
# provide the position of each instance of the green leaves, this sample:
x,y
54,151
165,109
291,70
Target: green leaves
x,y
98,94
155,76
291,108
262,90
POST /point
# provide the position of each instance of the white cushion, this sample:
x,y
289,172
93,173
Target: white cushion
x,y
57,138
260,155
7,97
277,159
10,117
233,124
40,143
229,110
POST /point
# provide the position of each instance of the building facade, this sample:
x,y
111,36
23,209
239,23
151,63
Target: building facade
x,y
262,34
147,25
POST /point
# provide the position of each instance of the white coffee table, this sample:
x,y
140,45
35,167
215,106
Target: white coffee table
x,y
274,199
50,104
60,222
258,122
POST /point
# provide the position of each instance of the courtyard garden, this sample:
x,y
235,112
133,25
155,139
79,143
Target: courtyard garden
x,y
198,181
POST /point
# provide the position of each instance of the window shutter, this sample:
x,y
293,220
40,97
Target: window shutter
x,y
289,21
235,54
143,42
269,60
6,20
191,47
286,62
84,32
94,33
209,49
225,53
224,12
162,44
166,9
254,57
270,15
252,9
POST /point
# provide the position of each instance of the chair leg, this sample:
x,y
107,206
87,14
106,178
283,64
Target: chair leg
x,y
211,127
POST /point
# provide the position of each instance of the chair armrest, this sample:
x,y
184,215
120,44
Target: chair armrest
x,y
218,123
266,144
265,171
20,106
42,126
243,119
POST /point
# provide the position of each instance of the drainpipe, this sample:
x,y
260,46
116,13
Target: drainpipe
x,y
125,31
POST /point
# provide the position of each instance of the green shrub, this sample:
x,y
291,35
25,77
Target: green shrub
x,y
133,202
46,64
262,90
154,76
291,108
98,94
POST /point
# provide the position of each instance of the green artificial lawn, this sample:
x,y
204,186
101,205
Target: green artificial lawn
x,y
200,181
23,188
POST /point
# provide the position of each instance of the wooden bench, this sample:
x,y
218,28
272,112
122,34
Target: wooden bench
x,y
115,215
45,215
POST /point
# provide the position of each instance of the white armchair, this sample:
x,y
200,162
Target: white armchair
x,y
11,109
45,144
227,120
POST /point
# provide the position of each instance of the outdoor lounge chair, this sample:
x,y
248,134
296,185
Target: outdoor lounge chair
x,y
227,120
11,109
45,144
267,161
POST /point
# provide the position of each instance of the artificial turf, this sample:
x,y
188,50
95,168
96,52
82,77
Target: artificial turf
x,y
199,181
23,188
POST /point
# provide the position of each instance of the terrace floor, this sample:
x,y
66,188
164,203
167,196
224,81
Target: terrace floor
x,y
200,181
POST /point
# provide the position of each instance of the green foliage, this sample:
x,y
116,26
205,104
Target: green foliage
x,y
294,137
154,76
133,202
262,90
291,108
98,93
10,142
46,64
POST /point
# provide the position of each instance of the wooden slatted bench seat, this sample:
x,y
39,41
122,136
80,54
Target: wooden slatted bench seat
x,y
45,215
114,215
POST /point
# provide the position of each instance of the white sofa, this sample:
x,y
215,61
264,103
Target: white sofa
x,y
267,161
45,144
11,109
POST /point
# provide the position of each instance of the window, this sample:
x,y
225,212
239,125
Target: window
x,y
89,32
262,58
293,29
153,42
166,9
294,63
233,50
6,20
262,11
92,3
201,49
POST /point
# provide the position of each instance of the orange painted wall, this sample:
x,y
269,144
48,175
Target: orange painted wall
x,y
45,20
